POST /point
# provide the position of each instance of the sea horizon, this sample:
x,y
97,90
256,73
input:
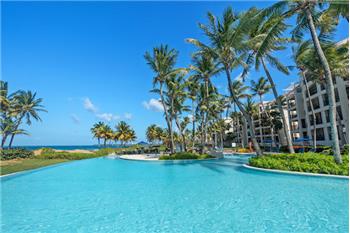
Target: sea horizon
x,y
67,147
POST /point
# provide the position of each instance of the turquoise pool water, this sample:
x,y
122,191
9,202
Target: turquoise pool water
x,y
105,195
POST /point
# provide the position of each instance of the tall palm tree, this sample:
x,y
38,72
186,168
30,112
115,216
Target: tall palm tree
x,y
26,106
299,54
260,88
308,13
265,39
228,46
239,90
192,89
175,99
162,62
204,67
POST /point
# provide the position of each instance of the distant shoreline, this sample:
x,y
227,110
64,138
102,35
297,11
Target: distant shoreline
x,y
68,147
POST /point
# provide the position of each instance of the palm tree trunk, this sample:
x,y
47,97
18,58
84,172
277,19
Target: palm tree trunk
x,y
202,133
167,118
183,139
280,108
329,87
312,109
260,123
207,111
193,125
16,127
245,114
3,140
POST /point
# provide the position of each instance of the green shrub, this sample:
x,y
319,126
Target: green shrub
x,y
47,150
345,150
8,154
306,162
185,155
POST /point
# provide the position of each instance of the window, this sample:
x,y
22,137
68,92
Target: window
x,y
318,117
325,100
330,133
315,103
311,120
303,123
312,89
305,135
336,95
339,113
347,91
327,115
323,86
319,134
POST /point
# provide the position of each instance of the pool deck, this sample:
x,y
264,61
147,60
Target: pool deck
x,y
142,157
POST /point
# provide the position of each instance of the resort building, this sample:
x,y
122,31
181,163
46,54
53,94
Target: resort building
x,y
298,113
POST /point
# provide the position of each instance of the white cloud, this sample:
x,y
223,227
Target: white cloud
x,y
127,116
88,105
75,118
154,105
107,116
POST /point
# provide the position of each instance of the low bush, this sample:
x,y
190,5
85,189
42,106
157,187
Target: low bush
x,y
185,155
345,150
67,155
8,154
306,162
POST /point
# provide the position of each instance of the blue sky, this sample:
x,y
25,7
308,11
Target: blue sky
x,y
86,60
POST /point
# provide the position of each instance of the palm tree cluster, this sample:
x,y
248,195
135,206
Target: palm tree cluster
x,y
122,133
245,41
17,108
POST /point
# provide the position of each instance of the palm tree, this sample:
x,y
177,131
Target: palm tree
x,y
260,88
162,62
26,106
227,45
204,67
96,130
239,91
308,14
175,98
152,133
339,8
264,40
130,136
192,88
299,54
125,132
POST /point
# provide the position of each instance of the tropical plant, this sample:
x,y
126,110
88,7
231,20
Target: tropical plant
x,y
308,15
260,88
162,61
228,47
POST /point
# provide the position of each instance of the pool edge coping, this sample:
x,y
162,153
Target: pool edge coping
x,y
173,160
295,173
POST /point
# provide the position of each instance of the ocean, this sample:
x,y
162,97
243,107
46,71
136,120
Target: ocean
x,y
71,147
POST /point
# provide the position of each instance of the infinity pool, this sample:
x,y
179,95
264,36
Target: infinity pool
x,y
105,195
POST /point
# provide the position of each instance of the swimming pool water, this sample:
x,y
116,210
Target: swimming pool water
x,y
105,195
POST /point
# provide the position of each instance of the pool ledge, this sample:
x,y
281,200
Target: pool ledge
x,y
294,173
168,161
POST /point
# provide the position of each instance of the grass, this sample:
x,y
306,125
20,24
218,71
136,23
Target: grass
x,y
17,165
303,162
47,157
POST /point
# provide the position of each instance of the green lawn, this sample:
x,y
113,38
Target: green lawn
x,y
11,166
